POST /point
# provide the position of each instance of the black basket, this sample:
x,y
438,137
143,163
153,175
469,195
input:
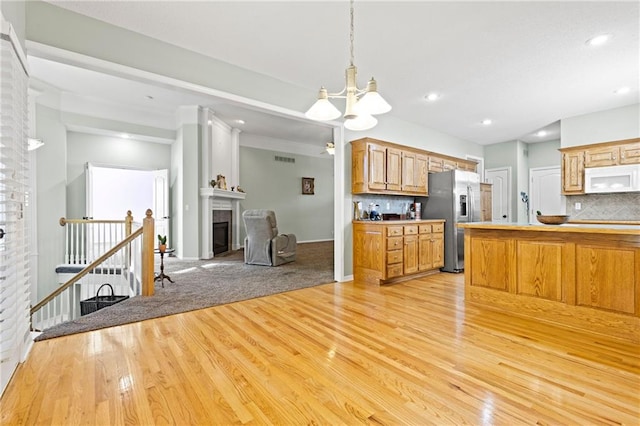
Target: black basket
x,y
99,302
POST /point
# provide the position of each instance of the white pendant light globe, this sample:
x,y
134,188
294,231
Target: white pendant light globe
x,y
372,102
322,109
361,122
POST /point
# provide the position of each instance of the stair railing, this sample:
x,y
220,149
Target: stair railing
x,y
136,273
86,239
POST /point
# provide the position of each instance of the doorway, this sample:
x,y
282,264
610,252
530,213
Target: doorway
x,y
111,191
501,195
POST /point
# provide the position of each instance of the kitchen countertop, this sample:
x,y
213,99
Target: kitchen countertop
x,y
399,221
591,228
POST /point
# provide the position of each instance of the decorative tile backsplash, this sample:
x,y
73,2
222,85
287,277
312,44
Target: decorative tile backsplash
x,y
387,203
619,206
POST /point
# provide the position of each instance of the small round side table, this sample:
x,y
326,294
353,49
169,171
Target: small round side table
x,y
161,276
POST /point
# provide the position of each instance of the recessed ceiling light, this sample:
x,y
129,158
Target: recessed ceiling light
x,y
432,97
209,122
598,40
486,122
541,133
239,121
622,91
124,136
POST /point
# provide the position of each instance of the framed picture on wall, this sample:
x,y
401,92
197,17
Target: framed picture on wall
x,y
307,185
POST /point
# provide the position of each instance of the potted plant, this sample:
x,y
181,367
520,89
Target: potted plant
x,y
162,243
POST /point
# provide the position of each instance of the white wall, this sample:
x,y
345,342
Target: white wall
x,y
277,186
51,194
602,126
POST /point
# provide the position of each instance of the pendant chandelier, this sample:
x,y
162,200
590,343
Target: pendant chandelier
x,y
361,104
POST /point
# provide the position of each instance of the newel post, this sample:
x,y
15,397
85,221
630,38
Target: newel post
x,y
148,240
127,223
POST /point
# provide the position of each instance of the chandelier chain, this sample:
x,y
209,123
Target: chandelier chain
x,y
351,31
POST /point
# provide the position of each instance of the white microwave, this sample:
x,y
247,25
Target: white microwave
x,y
612,179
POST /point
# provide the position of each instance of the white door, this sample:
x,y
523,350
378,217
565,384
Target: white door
x,y
501,193
545,192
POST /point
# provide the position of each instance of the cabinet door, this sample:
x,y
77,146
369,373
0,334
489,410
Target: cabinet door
x,y
394,167
449,165
485,202
436,164
630,153
599,157
437,249
377,167
358,179
573,172
425,252
421,175
468,166
410,254
408,171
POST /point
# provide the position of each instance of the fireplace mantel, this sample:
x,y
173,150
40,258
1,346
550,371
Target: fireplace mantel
x,y
219,199
221,193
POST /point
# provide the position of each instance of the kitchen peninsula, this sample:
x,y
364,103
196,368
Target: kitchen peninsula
x,y
584,276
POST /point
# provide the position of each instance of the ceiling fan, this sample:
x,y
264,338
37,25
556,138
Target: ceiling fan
x,y
329,148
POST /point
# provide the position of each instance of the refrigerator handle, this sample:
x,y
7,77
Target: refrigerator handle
x,y
471,204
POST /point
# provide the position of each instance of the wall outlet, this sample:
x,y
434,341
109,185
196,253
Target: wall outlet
x,y
578,206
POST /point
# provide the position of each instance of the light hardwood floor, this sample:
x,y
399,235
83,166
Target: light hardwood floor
x,y
343,353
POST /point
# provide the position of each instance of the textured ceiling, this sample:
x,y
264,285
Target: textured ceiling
x,y
524,65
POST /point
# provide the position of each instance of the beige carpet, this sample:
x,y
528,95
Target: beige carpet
x,y
204,283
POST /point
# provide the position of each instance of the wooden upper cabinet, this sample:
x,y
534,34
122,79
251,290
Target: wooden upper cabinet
x,y
573,172
442,163
414,172
612,153
604,156
436,164
575,159
467,165
380,167
377,158
393,169
630,153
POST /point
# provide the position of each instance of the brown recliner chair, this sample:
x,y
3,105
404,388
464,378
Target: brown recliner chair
x,y
263,245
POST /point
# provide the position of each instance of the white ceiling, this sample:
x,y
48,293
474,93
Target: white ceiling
x,y
524,65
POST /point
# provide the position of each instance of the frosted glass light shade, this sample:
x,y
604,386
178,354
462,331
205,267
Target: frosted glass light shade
x,y
372,102
361,122
322,109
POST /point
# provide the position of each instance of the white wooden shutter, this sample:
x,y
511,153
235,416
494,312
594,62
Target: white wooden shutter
x,y
14,167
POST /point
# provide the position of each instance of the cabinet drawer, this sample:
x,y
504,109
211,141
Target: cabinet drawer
x,y
394,231
411,230
438,228
394,270
394,256
394,243
425,229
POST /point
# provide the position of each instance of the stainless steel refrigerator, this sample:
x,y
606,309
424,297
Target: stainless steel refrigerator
x,y
455,197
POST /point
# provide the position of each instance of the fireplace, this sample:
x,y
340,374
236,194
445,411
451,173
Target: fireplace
x,y
221,231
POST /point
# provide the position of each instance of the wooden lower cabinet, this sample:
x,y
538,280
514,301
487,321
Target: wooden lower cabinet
x,y
385,252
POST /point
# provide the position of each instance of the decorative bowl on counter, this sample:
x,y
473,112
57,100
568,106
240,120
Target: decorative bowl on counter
x,y
552,219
